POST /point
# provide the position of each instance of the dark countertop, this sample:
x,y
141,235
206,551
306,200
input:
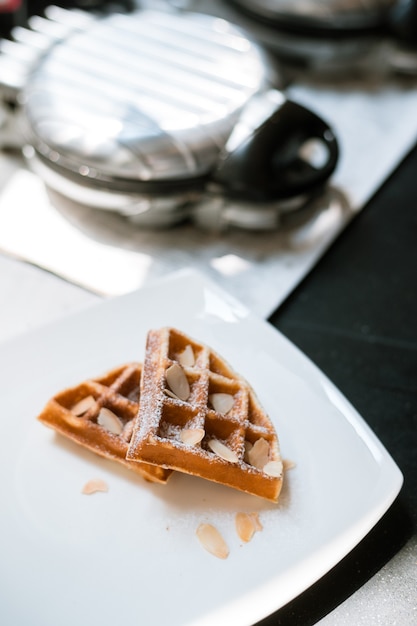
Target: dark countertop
x,y
355,317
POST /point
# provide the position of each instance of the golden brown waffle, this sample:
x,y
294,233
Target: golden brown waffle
x,y
89,412
234,446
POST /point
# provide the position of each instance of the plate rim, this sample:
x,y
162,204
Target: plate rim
x,y
336,549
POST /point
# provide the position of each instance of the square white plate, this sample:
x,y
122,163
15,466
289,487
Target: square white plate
x,y
131,555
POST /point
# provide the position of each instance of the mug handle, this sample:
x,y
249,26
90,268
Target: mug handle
x,y
276,160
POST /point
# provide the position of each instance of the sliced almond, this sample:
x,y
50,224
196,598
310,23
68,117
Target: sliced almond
x,y
186,358
178,382
192,436
273,468
222,451
127,431
211,539
169,393
246,525
108,420
221,402
288,465
94,485
256,521
258,455
83,406
248,446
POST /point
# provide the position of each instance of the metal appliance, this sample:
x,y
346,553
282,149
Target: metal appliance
x,y
163,116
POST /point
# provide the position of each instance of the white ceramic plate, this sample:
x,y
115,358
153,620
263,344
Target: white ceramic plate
x,y
131,555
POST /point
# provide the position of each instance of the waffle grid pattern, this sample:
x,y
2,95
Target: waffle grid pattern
x,y
157,435
118,391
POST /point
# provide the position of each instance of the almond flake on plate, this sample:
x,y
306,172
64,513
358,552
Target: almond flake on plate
x,y
246,525
94,485
288,465
211,539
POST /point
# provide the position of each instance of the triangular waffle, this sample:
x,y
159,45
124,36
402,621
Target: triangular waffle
x,y
217,431
98,414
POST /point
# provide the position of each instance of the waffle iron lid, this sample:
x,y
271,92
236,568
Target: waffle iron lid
x,y
148,96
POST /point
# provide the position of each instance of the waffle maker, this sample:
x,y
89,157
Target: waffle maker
x,y
372,36
163,116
